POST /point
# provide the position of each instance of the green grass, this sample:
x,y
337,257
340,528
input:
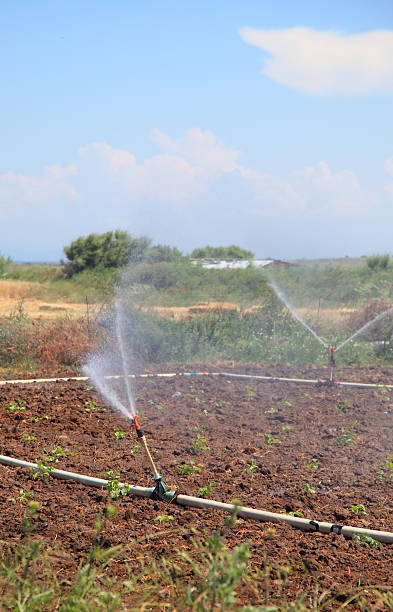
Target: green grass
x,y
205,575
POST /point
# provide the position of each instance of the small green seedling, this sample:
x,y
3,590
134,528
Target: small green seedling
x,y
89,388
286,403
204,413
287,428
313,465
115,487
250,393
343,406
56,454
365,540
205,491
187,469
270,440
157,406
119,435
308,488
92,406
16,407
359,508
27,438
36,419
222,404
251,467
24,495
162,518
347,437
296,513
199,445
41,471
135,449
307,395
271,410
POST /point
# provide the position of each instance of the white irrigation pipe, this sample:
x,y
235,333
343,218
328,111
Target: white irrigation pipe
x,y
299,381
197,502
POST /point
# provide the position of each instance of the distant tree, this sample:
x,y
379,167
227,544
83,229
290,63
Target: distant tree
x,y
110,250
162,253
229,252
4,262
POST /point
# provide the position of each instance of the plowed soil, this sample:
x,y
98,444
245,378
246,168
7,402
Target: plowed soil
x,y
321,452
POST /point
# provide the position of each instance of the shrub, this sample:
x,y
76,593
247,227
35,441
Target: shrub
x,y
376,262
109,250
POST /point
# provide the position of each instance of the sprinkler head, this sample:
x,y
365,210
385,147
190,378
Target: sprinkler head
x,y
135,420
332,361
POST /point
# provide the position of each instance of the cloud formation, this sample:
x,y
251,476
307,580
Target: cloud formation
x,y
187,174
326,62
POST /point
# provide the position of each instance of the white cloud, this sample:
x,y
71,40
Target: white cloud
x,y
201,149
18,191
191,172
323,62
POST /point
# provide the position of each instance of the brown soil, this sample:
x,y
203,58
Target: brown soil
x,y
306,420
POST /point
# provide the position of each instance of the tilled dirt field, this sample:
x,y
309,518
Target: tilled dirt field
x,y
321,452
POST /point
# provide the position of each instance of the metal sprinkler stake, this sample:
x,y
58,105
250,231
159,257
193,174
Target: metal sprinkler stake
x,y
332,362
160,491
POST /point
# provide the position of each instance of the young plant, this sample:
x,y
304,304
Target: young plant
x,y
162,518
270,440
308,488
118,435
16,407
286,403
41,471
287,428
157,406
199,445
27,438
135,449
115,487
56,454
24,495
92,406
271,410
250,393
250,468
313,465
205,491
36,419
343,406
365,540
187,469
346,438
359,508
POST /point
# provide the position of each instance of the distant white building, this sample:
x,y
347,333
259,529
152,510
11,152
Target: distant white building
x,y
240,264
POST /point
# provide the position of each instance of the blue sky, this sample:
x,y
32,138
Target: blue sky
x,y
263,124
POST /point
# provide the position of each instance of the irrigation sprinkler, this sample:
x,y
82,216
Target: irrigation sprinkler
x,y
332,362
304,524
160,491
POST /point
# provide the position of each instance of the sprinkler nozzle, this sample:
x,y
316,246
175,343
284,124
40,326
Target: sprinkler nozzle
x,y
332,361
138,429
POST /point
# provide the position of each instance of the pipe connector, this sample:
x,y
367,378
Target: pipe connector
x,y
160,492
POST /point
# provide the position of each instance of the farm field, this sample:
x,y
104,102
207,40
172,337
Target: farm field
x,y
321,452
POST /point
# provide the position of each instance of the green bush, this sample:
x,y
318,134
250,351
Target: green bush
x,y
229,252
378,262
4,264
109,250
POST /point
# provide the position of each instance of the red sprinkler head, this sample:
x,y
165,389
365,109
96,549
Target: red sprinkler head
x,y
332,361
138,430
